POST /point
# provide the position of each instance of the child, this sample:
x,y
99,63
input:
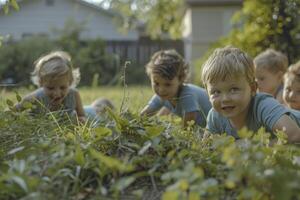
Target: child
x,y
54,75
97,109
291,88
228,76
270,66
167,72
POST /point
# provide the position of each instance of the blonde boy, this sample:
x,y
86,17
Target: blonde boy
x,y
228,76
291,88
270,66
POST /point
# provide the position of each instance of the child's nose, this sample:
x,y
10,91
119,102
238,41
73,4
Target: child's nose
x,y
56,92
291,95
225,97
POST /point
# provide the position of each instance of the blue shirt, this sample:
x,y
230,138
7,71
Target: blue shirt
x,y
90,112
264,111
43,102
190,99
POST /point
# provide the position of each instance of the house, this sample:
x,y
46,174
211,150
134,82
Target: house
x,y
39,17
205,21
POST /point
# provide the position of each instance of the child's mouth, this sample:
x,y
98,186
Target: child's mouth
x,y
228,108
55,100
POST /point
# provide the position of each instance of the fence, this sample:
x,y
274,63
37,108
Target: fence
x,y
139,52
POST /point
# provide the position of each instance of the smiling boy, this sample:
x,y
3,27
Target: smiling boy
x,y
228,76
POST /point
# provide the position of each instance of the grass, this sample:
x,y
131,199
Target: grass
x,y
134,97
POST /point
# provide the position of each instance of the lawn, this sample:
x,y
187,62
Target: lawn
x,y
133,97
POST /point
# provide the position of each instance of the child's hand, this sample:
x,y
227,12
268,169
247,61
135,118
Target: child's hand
x,y
82,119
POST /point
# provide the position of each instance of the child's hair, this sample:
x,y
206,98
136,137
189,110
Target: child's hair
x,y
293,70
52,65
102,103
227,62
272,61
168,64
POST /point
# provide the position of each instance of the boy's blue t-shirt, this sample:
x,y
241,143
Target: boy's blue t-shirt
x,y
264,111
191,99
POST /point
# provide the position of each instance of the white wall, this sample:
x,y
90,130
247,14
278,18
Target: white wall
x,y
203,26
37,17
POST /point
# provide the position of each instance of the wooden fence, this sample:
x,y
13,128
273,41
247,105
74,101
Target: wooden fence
x,y
139,52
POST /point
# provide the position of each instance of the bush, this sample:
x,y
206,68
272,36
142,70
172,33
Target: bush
x,y
137,157
17,60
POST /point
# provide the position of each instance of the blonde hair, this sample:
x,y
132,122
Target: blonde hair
x,y
168,64
102,103
52,65
293,70
272,61
227,62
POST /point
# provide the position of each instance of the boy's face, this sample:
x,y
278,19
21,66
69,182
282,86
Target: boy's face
x,y
231,97
56,88
166,89
267,81
291,93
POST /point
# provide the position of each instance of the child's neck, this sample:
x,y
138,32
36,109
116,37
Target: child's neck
x,y
174,100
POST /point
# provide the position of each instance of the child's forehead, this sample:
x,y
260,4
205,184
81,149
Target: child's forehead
x,y
228,80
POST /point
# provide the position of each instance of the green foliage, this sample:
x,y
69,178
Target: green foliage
x,y
17,59
129,156
8,4
262,24
265,24
158,16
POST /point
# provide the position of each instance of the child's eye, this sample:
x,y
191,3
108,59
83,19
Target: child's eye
x,y
63,88
234,89
167,84
50,88
215,92
261,79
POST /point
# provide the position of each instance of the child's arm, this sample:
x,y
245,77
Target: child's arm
x,y
28,98
148,111
290,127
189,117
79,107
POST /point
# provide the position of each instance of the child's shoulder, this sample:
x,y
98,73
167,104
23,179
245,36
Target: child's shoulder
x,y
188,87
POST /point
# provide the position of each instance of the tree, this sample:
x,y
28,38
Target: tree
x,y
9,3
263,24
6,6
158,16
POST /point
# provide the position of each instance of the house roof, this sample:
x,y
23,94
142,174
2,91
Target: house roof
x,y
83,2
214,2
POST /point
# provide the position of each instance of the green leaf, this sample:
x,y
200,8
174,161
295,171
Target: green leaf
x,y
15,150
174,195
19,98
27,105
101,132
123,183
20,182
9,103
14,4
79,156
153,131
110,162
